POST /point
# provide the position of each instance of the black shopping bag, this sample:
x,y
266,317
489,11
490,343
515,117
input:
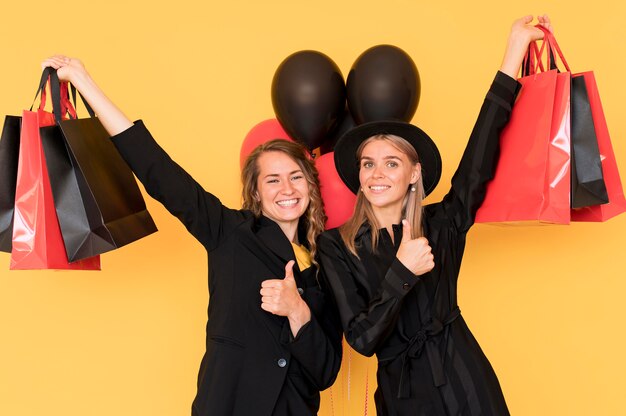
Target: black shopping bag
x,y
588,185
98,202
9,155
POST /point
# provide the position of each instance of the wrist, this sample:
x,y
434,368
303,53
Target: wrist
x,y
299,315
81,80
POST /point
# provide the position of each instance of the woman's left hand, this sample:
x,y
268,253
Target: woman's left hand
x,y
281,297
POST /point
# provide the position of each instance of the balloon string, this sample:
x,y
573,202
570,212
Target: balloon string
x,y
366,388
349,371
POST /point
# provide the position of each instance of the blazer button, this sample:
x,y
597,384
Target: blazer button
x,y
282,362
301,291
406,286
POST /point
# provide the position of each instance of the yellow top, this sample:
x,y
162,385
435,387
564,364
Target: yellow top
x,y
303,256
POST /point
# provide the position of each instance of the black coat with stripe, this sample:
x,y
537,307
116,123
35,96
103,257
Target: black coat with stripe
x,y
430,364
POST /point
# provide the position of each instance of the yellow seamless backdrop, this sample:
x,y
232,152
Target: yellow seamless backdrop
x,y
544,302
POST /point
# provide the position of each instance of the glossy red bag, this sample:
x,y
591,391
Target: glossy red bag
x,y
531,181
37,240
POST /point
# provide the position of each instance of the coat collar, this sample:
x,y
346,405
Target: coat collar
x,y
274,239
268,242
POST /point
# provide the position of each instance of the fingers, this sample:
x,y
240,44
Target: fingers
x,y
271,295
52,62
544,20
58,60
526,19
279,296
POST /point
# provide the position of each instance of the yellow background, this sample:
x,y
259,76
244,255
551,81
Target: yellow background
x,y
545,303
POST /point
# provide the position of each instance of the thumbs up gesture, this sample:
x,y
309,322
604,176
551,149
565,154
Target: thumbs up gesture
x,y
281,297
415,254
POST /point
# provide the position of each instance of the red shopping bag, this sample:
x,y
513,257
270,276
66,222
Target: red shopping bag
x,y
531,181
37,241
602,182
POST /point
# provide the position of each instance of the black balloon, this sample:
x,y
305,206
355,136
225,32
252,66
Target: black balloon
x,y
308,95
383,84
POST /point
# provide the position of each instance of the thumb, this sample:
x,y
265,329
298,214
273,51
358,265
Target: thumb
x,y
406,230
289,270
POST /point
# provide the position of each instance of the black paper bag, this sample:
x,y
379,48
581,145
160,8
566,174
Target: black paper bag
x,y
588,187
9,155
98,202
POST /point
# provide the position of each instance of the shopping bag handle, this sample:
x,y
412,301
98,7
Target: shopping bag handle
x,y
85,103
61,104
64,105
42,88
533,61
550,43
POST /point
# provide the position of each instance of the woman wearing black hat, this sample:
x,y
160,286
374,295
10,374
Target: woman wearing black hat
x,y
396,284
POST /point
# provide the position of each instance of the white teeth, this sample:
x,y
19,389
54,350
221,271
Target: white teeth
x,y
378,188
287,203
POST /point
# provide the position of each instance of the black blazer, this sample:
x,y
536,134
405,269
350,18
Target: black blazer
x,y
252,365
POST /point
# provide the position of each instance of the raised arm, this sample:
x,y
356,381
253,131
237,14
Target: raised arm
x,y
202,213
479,160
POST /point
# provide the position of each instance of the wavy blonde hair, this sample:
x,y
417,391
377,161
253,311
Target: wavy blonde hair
x,y
363,212
314,215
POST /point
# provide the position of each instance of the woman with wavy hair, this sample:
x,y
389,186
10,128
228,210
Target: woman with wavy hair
x,y
393,267
272,340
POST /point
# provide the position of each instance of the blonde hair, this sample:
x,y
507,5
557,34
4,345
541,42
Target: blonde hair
x,y
363,212
314,216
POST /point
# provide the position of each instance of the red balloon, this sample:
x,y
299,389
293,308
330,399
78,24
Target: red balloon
x,y
338,199
261,133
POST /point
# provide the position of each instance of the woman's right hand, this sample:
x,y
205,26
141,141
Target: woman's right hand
x,y
68,69
415,254
73,70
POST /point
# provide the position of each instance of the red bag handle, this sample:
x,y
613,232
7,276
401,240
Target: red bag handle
x,y
550,43
533,61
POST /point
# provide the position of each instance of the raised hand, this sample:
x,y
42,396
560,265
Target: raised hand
x,y
415,254
73,70
68,69
522,33
281,297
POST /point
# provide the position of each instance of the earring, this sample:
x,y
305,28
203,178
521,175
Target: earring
x,y
413,189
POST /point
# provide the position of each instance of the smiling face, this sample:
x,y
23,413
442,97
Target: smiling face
x,y
385,174
282,189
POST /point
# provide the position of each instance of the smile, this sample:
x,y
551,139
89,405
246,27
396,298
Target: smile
x,y
376,188
288,202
